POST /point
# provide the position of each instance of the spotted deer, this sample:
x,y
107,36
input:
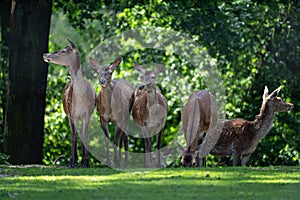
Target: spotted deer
x,y
78,98
240,137
114,104
149,110
199,122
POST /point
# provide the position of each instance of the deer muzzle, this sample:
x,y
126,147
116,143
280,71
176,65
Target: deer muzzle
x,y
102,81
142,87
46,57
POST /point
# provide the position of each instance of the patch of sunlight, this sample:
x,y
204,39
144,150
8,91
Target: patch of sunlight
x,y
273,181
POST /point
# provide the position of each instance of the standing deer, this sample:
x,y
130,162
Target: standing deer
x,y
199,122
149,110
240,137
114,104
78,98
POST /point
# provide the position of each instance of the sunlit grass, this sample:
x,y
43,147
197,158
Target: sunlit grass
x,y
169,183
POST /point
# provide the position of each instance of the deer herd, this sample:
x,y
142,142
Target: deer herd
x,y
204,134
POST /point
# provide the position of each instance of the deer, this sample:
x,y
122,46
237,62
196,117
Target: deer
x,y
113,103
149,110
199,122
78,98
239,137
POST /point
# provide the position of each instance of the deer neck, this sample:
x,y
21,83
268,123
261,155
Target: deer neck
x,y
106,93
76,75
151,97
264,121
74,68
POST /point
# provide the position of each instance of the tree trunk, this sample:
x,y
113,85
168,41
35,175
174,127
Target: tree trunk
x,y
27,78
4,52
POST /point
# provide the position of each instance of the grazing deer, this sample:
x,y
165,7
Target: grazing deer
x,y
149,110
78,98
199,120
240,137
114,104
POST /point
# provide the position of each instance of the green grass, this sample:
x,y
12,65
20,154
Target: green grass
x,y
169,183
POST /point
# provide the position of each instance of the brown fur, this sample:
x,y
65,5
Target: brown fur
x,y
113,104
67,98
200,106
240,137
140,112
149,111
78,98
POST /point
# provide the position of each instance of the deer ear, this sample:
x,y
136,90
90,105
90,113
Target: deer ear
x,y
159,68
116,63
275,92
72,45
138,67
94,63
179,147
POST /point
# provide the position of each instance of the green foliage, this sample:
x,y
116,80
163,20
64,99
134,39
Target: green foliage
x,y
255,43
4,159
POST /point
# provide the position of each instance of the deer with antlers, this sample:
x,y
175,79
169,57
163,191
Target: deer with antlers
x,y
114,104
240,137
78,98
199,122
149,110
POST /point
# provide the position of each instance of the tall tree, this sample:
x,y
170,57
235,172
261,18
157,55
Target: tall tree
x,y
27,78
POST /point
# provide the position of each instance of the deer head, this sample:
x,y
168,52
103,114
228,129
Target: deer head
x,y
188,158
67,56
105,72
275,103
148,77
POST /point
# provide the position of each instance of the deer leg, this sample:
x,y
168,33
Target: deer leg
x,y
200,161
245,158
158,143
147,147
125,138
120,142
236,159
197,160
204,162
84,142
74,156
118,135
104,127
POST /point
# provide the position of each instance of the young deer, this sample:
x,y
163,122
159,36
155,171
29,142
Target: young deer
x,y
240,137
114,104
149,110
199,120
78,98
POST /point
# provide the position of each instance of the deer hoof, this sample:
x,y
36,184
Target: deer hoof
x,y
71,165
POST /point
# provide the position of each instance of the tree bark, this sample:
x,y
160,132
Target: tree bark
x,y
4,52
27,80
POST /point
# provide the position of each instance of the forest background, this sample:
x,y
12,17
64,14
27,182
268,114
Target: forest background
x,y
252,44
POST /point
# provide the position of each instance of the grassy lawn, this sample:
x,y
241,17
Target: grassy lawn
x,y
169,183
